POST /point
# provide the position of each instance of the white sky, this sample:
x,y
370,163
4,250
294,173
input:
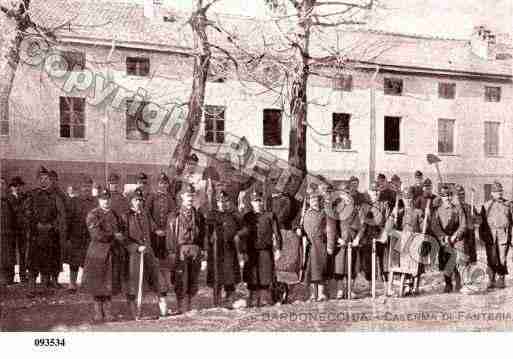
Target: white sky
x,y
449,18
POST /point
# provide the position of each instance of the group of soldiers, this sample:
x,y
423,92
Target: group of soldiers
x,y
160,239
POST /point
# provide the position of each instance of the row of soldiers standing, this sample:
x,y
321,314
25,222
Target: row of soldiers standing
x,y
109,236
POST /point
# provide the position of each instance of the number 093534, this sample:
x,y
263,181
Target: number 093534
x,y
49,342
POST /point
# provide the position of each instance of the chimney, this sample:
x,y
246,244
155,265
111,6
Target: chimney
x,y
152,8
484,43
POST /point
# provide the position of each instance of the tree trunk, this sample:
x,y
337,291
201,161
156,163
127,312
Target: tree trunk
x,y
9,60
298,97
192,123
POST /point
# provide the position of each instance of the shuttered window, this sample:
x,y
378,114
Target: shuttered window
x,y
392,133
492,94
446,90
393,86
491,140
138,66
72,117
75,60
272,127
445,135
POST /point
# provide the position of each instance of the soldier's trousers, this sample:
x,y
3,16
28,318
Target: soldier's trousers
x,y
187,270
497,251
453,259
44,253
366,260
150,272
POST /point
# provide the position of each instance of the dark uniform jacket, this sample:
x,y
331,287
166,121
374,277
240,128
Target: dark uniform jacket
x,y
315,230
448,221
119,203
160,205
417,191
104,263
421,202
79,234
374,220
497,217
185,227
17,204
225,226
7,244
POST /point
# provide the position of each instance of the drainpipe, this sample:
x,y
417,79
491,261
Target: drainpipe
x,y
372,132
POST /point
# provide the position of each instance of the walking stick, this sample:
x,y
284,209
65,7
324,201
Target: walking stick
x,y
373,268
349,260
140,288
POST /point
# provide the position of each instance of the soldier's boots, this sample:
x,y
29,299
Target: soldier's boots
x,y
163,311
491,282
448,284
98,311
188,303
253,300
229,298
72,287
501,283
457,280
313,293
132,308
107,311
321,296
265,297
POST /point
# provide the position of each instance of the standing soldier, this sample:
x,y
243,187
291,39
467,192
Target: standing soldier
x,y
46,214
426,196
314,229
448,225
373,225
385,193
226,223
62,243
79,234
139,229
417,188
466,248
16,199
119,203
143,185
398,208
7,243
261,232
345,212
103,268
160,206
495,231
358,197
186,238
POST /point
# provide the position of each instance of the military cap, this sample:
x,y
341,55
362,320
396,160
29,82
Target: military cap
x,y
427,183
346,187
16,182
104,194
458,189
418,174
142,176
86,180
373,186
137,194
114,178
43,171
187,188
444,191
256,195
163,178
353,179
497,187
53,174
395,178
382,176
222,196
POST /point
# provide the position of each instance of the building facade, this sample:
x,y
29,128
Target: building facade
x,y
425,95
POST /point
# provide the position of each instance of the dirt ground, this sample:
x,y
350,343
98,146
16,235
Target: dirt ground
x,y
431,310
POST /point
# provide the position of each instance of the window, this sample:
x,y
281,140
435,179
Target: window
x,y
492,94
341,136
487,192
272,127
72,117
133,131
445,135
393,86
491,143
75,60
392,133
343,83
138,66
214,124
446,90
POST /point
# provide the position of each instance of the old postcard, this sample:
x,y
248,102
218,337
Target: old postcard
x,y
255,166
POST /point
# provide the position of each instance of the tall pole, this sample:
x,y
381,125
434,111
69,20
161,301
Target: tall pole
x,y
372,131
106,119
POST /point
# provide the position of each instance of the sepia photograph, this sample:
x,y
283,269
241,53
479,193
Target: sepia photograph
x,y
235,166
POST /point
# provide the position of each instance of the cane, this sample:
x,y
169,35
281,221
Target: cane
x,y
373,282
140,288
349,255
